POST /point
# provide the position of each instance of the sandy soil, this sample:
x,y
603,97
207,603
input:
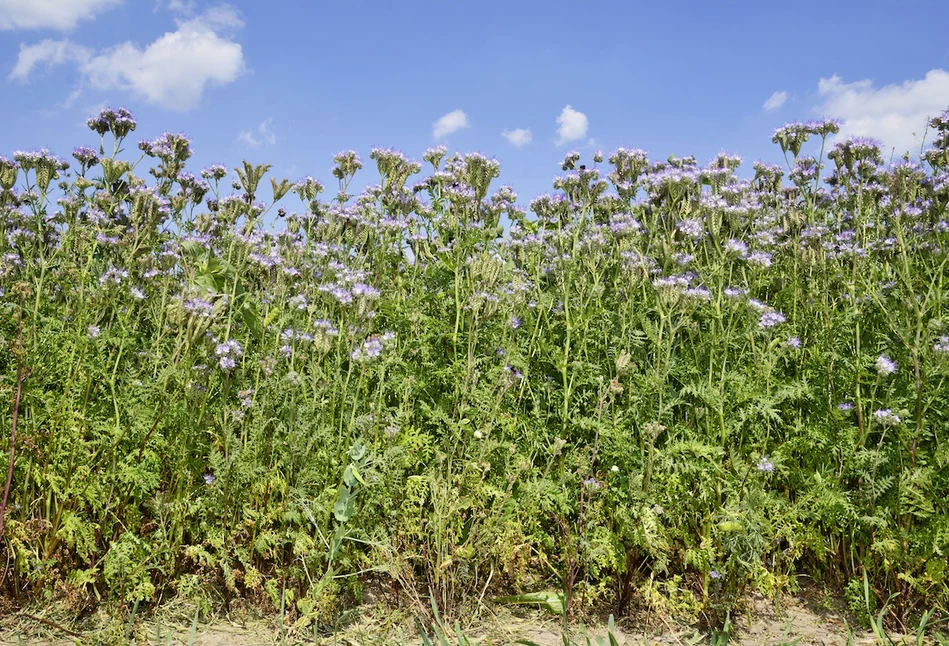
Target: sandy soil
x,y
796,623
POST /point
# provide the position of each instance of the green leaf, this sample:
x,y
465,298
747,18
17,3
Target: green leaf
x,y
549,600
345,507
251,318
351,476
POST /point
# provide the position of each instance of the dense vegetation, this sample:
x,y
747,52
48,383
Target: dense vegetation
x,y
668,385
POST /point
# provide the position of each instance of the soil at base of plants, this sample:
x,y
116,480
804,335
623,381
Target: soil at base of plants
x,y
811,622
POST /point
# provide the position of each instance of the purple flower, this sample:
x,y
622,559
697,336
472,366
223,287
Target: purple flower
x,y
229,347
86,156
369,350
887,417
698,293
93,331
120,122
770,319
793,342
227,352
372,347
765,465
364,290
691,228
885,365
198,307
113,275
593,483
216,171
714,574
209,479
736,246
514,372
760,258
845,406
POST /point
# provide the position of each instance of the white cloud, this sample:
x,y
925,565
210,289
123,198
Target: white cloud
x,y
171,72
518,137
61,15
572,125
49,53
895,114
263,135
182,6
775,101
451,122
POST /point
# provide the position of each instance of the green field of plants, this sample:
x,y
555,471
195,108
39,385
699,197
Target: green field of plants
x,y
665,384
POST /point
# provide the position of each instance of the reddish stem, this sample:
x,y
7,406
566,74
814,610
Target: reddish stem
x,y
16,413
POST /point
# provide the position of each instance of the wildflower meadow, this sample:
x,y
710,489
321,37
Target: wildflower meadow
x,y
665,384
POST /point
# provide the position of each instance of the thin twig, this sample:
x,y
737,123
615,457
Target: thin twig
x,y
51,624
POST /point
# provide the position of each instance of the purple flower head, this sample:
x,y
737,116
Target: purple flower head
x,y
119,122
765,465
886,417
885,365
736,246
85,156
845,406
198,307
698,293
369,349
691,228
514,372
770,319
760,258
169,147
435,155
215,171
365,291
228,352
93,331
593,483
209,479
113,275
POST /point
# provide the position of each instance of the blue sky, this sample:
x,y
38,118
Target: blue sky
x,y
292,82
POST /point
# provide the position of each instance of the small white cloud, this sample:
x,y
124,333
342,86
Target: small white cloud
x,y
171,72
451,122
895,114
263,135
572,125
518,137
61,15
775,101
181,6
48,53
